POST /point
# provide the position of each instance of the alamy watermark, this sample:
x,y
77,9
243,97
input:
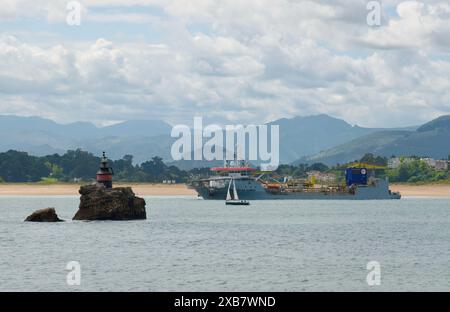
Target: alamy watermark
x,y
73,13
373,278
73,278
240,142
374,15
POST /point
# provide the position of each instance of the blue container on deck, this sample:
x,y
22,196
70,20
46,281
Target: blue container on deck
x,y
356,176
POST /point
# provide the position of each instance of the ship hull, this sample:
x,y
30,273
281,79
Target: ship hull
x,y
380,191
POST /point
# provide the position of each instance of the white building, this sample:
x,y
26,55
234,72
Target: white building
x,y
441,165
429,161
395,162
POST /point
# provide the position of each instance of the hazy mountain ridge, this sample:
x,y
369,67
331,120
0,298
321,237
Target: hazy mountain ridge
x,y
40,136
302,139
429,140
302,136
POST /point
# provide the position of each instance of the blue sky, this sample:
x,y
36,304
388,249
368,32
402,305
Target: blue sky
x,y
228,61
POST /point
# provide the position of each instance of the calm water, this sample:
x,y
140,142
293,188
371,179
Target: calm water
x,y
189,244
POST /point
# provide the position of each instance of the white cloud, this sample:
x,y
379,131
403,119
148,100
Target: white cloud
x,y
249,61
419,25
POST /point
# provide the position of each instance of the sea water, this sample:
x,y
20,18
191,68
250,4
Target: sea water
x,y
189,244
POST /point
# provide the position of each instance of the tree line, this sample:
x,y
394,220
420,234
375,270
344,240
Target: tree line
x,y
415,171
79,165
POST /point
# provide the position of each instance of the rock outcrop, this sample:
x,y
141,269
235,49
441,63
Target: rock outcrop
x,y
44,215
100,203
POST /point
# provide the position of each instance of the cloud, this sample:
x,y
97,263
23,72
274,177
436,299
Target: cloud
x,y
419,25
241,61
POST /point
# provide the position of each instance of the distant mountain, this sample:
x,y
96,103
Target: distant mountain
x,y
142,148
326,138
302,136
40,136
25,125
439,124
137,128
430,140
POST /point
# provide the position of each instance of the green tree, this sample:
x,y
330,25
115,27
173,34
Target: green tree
x,y
370,158
416,171
154,168
318,167
56,172
124,169
76,164
20,167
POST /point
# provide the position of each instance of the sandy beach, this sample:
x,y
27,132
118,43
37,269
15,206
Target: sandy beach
x,y
427,190
141,189
146,189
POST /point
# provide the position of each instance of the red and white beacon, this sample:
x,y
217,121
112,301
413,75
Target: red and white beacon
x,y
105,173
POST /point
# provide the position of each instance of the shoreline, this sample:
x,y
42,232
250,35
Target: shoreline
x,y
422,190
71,189
159,189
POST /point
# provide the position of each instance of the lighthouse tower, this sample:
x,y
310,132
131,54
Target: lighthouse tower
x,y
105,173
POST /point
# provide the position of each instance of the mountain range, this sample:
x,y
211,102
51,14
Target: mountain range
x,y
317,138
39,136
429,140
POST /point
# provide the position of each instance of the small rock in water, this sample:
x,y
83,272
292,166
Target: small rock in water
x,y
44,215
100,203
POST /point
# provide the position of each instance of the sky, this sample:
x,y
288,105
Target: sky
x,y
229,61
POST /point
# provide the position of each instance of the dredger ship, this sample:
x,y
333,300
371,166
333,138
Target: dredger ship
x,y
360,184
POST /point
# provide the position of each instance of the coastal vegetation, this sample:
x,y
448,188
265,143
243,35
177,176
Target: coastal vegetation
x,y
80,166
415,170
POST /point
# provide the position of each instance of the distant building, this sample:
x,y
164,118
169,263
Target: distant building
x,y
440,165
395,162
429,161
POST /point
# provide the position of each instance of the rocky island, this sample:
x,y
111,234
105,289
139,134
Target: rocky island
x,y
98,202
44,215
